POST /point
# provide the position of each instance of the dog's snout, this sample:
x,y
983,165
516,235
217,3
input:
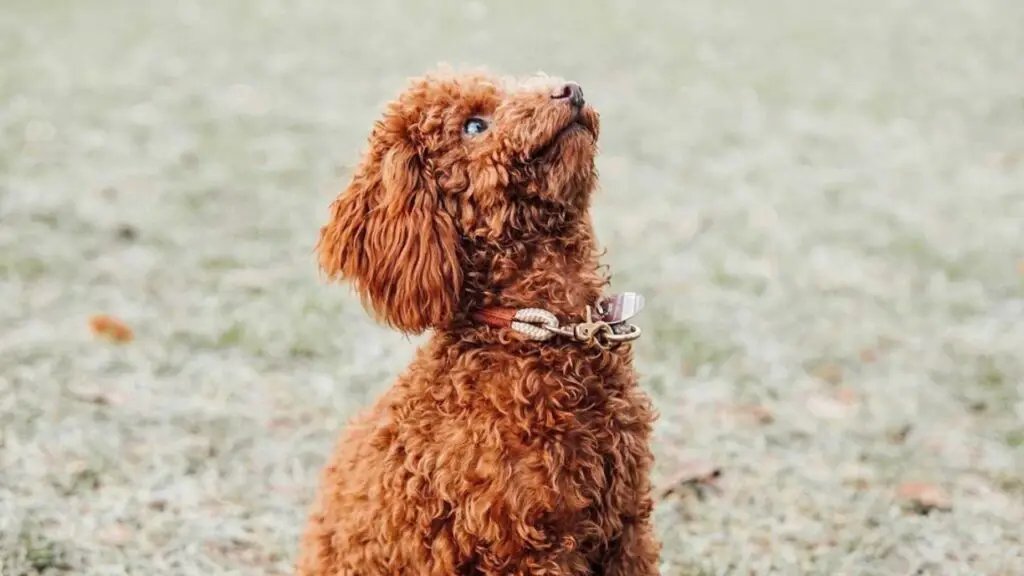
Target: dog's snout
x,y
569,91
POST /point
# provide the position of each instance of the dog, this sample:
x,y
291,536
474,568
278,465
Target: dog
x,y
518,440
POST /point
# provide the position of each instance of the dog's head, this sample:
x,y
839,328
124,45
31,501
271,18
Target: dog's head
x,y
458,163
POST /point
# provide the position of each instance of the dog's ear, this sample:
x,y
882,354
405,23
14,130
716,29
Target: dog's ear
x,y
391,237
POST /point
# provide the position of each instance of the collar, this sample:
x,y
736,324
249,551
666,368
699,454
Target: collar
x,y
605,323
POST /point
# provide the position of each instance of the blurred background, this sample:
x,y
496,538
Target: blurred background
x,y
823,203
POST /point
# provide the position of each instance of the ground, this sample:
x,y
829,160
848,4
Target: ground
x,y
822,202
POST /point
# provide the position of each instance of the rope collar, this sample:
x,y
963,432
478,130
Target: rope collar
x,y
608,326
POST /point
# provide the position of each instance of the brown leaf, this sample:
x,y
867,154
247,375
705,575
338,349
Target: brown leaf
x,y
116,535
106,326
924,497
93,394
828,372
846,396
127,232
76,467
756,412
278,423
90,394
1004,160
688,370
693,474
857,476
899,435
834,406
977,406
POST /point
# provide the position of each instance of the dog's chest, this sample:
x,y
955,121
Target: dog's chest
x,y
579,430
550,438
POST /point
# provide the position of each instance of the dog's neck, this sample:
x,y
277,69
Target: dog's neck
x,y
556,269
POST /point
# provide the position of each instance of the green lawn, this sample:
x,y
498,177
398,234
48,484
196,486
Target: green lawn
x,y
823,203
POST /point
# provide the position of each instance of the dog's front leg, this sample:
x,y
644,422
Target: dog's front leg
x,y
513,536
633,553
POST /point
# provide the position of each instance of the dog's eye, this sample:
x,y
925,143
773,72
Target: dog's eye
x,y
474,126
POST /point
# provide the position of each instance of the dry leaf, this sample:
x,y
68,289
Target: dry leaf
x,y
831,373
899,435
127,232
760,413
116,534
755,412
834,406
977,406
934,444
75,467
1010,159
277,423
694,474
111,328
846,396
857,476
94,395
688,369
924,497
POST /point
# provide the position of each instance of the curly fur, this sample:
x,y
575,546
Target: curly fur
x,y
490,455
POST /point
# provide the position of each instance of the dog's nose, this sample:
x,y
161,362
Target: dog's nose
x,y
570,91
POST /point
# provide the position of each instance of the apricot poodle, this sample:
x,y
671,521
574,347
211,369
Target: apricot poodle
x,y
517,441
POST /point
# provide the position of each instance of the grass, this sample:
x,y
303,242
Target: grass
x,y
822,202
26,551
